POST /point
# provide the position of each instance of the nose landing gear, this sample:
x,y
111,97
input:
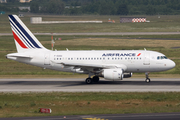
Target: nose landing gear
x,y
148,80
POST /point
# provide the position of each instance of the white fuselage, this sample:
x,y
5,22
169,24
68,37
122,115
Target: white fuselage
x,y
129,60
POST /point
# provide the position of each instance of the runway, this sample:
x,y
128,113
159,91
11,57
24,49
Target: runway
x,y
104,33
79,85
147,116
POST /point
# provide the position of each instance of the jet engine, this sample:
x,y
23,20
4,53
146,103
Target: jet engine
x,y
113,74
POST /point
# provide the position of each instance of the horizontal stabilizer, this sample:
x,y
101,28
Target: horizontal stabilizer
x,y
19,55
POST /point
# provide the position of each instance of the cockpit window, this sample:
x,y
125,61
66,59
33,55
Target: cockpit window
x,y
165,57
161,57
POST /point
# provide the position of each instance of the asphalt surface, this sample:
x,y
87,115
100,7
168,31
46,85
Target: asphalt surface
x,y
105,33
149,116
79,85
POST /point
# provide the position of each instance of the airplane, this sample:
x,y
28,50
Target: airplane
x,y
109,64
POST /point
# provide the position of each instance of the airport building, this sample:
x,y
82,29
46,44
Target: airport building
x,y
24,1
3,1
132,19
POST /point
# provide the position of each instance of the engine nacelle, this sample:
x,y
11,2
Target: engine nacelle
x,y
128,75
113,74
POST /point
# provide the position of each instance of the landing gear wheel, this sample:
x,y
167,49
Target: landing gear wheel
x,y
96,79
88,80
148,80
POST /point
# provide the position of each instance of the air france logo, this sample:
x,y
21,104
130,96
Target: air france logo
x,y
120,54
139,54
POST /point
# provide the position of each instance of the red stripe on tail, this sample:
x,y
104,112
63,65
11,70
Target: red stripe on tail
x,y
19,41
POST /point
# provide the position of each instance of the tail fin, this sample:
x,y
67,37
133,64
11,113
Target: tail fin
x,y
24,39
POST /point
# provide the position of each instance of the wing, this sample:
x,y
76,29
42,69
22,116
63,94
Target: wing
x,y
94,67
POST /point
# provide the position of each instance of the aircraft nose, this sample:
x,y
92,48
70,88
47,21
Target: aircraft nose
x,y
171,64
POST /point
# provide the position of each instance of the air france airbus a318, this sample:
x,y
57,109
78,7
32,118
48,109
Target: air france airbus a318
x,y
109,64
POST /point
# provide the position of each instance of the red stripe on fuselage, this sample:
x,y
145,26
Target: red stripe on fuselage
x,y
18,40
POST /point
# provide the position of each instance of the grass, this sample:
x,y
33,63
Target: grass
x,y
160,43
163,45
27,104
169,23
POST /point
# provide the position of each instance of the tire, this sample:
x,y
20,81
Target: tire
x,y
96,79
148,80
88,81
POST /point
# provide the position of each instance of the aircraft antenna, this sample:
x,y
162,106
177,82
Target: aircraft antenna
x,y
52,42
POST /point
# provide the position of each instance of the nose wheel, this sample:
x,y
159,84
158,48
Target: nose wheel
x,y
148,80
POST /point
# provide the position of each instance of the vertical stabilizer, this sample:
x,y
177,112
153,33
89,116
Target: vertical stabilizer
x,y
24,39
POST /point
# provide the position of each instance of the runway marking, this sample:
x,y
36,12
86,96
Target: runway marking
x,y
94,119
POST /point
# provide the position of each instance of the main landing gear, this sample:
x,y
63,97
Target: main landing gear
x,y
148,80
91,80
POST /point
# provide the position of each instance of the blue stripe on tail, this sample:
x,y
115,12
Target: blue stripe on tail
x,y
21,35
24,31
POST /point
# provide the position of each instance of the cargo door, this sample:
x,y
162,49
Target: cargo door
x,y
47,59
146,58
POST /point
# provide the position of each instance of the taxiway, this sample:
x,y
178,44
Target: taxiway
x,y
79,85
147,116
104,33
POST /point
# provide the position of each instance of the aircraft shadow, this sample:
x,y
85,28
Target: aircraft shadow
x,y
82,83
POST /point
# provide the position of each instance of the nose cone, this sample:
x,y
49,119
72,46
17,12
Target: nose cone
x,y
171,64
